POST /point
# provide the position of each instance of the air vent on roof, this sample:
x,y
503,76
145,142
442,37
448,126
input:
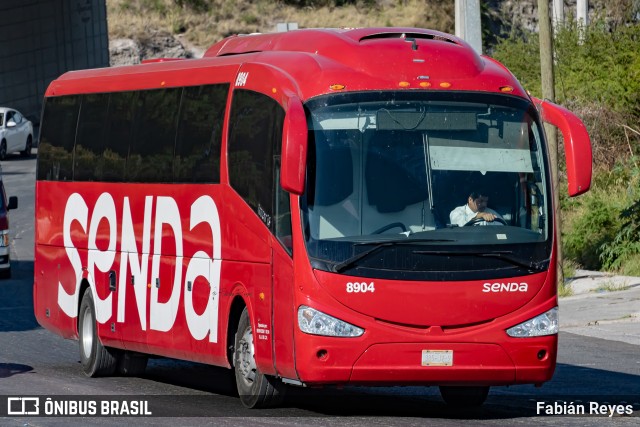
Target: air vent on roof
x,y
154,60
423,36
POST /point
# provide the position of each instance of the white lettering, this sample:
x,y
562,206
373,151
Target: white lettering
x,y
560,408
202,265
105,209
75,210
241,80
163,314
139,267
505,287
101,231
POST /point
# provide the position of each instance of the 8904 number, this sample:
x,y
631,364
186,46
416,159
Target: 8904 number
x,y
358,287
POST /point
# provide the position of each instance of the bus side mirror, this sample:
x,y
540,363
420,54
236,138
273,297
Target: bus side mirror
x,y
13,203
577,144
294,148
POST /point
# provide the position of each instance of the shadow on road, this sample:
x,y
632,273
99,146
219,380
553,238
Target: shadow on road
x,y
573,384
13,157
10,369
16,299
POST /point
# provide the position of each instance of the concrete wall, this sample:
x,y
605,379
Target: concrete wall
x,y
40,40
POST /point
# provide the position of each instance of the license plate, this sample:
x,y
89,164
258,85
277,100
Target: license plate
x,y
437,357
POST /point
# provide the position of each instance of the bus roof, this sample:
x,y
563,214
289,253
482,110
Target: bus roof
x,y
336,59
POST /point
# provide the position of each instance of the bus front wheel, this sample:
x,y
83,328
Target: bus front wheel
x,y
97,360
256,390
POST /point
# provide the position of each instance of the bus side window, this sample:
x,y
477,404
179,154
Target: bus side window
x,y
197,156
282,212
151,154
90,140
57,137
255,139
119,135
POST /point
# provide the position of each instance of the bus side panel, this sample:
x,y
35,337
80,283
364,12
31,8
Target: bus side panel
x,y
163,245
283,312
248,242
45,291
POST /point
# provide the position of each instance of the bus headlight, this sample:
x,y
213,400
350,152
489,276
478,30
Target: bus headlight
x,y
544,324
312,321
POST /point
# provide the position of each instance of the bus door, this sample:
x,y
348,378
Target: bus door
x,y
283,281
254,148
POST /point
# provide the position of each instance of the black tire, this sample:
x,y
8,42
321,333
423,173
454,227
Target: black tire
x,y
255,389
3,150
132,364
27,148
464,396
96,359
6,273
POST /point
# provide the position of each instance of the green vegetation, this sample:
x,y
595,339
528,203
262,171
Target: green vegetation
x,y
599,79
565,290
611,287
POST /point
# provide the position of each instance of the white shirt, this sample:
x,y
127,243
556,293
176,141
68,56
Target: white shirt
x,y
463,214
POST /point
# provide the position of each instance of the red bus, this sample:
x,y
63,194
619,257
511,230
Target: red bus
x,y
283,207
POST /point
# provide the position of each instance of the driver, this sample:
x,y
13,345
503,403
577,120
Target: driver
x,y
475,209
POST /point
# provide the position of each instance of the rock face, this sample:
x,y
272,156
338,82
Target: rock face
x,y
155,44
123,52
522,14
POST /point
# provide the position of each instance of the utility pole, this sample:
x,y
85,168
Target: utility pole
x,y
583,13
548,93
468,26
558,13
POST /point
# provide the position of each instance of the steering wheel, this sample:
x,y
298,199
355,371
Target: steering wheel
x,y
389,227
475,221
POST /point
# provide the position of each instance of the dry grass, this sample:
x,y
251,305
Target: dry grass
x,y
131,18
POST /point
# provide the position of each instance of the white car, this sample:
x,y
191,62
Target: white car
x,y
16,133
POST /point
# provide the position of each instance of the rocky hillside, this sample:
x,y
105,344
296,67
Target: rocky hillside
x,y
144,29
156,44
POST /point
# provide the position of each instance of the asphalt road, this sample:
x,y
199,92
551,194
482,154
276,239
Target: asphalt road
x,y
35,362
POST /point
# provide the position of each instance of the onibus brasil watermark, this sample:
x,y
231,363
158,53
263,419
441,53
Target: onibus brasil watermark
x,y
72,406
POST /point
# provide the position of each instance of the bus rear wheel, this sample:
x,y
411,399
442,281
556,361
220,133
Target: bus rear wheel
x,y
96,359
255,389
464,396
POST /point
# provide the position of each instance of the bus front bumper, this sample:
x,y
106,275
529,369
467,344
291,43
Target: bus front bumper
x,y
524,361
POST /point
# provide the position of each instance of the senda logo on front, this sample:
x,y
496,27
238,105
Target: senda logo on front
x,y
505,287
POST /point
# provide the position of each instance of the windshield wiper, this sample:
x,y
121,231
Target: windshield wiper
x,y
503,255
341,266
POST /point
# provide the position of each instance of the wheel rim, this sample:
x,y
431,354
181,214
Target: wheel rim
x,y
246,360
87,332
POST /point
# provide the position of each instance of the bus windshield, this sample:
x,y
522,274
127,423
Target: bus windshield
x,y
387,172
